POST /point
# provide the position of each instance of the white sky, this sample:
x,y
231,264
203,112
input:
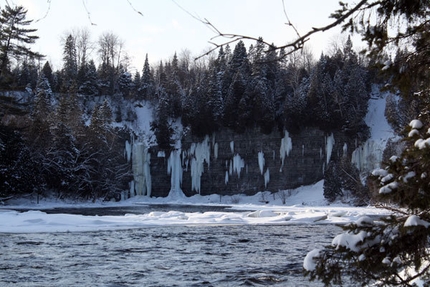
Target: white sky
x,y
164,28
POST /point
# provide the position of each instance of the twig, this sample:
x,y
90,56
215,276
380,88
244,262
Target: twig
x,y
294,45
132,7
47,11
88,13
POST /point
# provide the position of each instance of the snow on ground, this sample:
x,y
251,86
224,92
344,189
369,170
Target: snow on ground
x,y
304,205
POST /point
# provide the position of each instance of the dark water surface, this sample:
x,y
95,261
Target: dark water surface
x,y
136,209
241,255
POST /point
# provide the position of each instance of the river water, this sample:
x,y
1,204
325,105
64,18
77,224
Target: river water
x,y
238,255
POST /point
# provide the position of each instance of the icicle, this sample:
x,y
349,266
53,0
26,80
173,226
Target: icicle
x,y
286,147
238,164
132,188
174,168
303,150
147,172
141,159
200,153
266,178
261,161
329,147
232,146
368,156
216,150
226,178
345,149
127,151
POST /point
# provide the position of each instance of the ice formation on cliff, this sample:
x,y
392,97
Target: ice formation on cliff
x,y
199,153
261,161
286,147
329,147
141,160
174,168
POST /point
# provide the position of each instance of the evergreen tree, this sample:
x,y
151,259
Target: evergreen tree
x,y
70,66
147,88
47,72
89,84
332,182
394,251
15,38
125,83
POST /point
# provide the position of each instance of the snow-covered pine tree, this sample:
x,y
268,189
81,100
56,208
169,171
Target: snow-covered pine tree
x,y
393,251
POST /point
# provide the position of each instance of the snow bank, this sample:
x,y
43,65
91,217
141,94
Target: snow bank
x,y
38,221
305,205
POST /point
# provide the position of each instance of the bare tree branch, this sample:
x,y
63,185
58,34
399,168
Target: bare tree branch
x,y
47,11
295,45
88,13
132,7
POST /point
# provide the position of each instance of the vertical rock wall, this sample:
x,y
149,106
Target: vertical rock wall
x,y
227,163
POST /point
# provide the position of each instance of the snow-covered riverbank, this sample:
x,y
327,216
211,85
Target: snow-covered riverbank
x,y
305,205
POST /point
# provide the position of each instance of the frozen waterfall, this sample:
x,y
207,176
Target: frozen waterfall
x,y
174,168
200,153
141,159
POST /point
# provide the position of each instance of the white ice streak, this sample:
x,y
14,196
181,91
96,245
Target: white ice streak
x,y
261,161
200,153
266,178
174,168
329,147
141,161
237,164
286,147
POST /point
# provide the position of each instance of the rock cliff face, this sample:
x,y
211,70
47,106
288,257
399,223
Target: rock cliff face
x,y
227,163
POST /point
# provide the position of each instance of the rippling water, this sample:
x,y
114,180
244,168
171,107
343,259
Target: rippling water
x,y
163,256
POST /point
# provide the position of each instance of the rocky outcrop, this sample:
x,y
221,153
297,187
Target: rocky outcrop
x,y
226,163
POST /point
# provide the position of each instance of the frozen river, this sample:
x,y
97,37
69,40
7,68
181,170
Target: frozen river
x,y
233,255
